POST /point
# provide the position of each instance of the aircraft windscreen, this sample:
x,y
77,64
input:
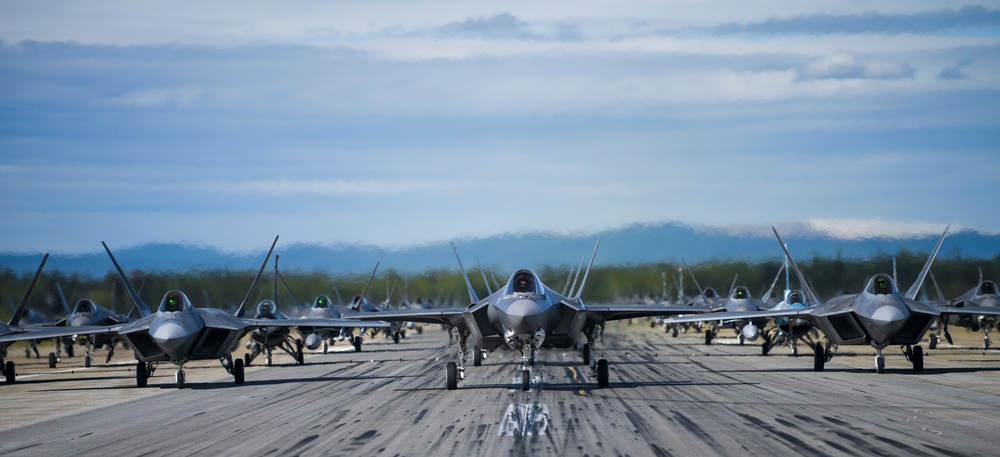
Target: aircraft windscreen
x,y
266,309
175,301
881,285
795,297
988,288
741,293
321,302
84,307
523,282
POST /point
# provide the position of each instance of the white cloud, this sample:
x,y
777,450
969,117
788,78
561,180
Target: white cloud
x,y
146,98
855,228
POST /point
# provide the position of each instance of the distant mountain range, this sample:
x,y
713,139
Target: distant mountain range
x,y
632,245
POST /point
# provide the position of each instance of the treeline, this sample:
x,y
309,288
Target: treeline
x,y
606,284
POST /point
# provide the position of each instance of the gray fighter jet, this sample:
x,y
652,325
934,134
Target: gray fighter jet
x,y
323,308
525,315
879,316
986,295
178,332
87,313
12,331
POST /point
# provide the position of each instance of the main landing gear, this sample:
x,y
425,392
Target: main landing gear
x,y
143,371
455,371
599,367
8,370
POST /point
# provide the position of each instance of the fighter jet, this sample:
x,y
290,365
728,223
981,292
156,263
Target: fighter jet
x,y
525,315
878,316
12,331
323,308
985,294
87,313
178,332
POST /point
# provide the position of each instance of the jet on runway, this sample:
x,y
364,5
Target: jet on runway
x,y
525,315
879,316
178,332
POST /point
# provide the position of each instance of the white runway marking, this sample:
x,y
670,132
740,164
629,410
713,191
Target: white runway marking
x,y
525,420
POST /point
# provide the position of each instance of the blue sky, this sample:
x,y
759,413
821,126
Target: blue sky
x,y
400,123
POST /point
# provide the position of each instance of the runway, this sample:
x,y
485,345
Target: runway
x,y
668,396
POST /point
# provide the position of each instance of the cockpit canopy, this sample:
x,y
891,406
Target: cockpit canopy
x,y
174,301
710,293
987,288
741,293
321,302
795,297
881,284
523,282
84,306
266,308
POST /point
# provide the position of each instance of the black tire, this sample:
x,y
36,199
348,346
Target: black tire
x,y
674,332
819,357
357,344
420,330
180,379
9,371
246,359
917,357
477,356
765,348
586,354
395,337
69,350
402,333
708,337
451,372
932,344
86,362
141,376
602,373
52,360
238,372
880,364
525,381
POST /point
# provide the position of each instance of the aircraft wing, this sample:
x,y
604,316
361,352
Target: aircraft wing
x,y
972,310
445,316
618,312
312,323
41,333
806,314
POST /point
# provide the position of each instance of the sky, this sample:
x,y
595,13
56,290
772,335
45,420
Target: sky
x,y
404,123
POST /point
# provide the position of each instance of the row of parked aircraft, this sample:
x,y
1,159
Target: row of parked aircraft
x,y
524,315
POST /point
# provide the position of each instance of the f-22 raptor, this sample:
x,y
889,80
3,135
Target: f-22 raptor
x,y
178,332
525,315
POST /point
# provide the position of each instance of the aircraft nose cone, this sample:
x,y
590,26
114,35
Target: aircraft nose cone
x,y
171,335
524,316
889,313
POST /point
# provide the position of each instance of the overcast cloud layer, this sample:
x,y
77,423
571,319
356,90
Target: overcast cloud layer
x,y
400,123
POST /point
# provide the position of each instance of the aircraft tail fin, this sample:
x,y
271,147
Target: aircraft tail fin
x,y
143,309
365,290
798,273
239,311
584,280
701,292
911,293
489,290
468,284
62,299
16,317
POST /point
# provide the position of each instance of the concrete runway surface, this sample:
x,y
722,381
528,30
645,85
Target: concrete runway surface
x,y
668,396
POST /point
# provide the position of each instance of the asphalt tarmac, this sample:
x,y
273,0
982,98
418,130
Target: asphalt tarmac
x,y
668,396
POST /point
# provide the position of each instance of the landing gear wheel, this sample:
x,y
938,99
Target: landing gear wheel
x,y
395,337
917,357
586,354
238,371
451,372
765,348
880,364
525,381
52,360
674,332
267,359
179,377
402,333
8,371
932,344
708,337
742,339
86,362
246,359
986,343
477,356
819,358
69,350
357,344
602,373
141,376
325,347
